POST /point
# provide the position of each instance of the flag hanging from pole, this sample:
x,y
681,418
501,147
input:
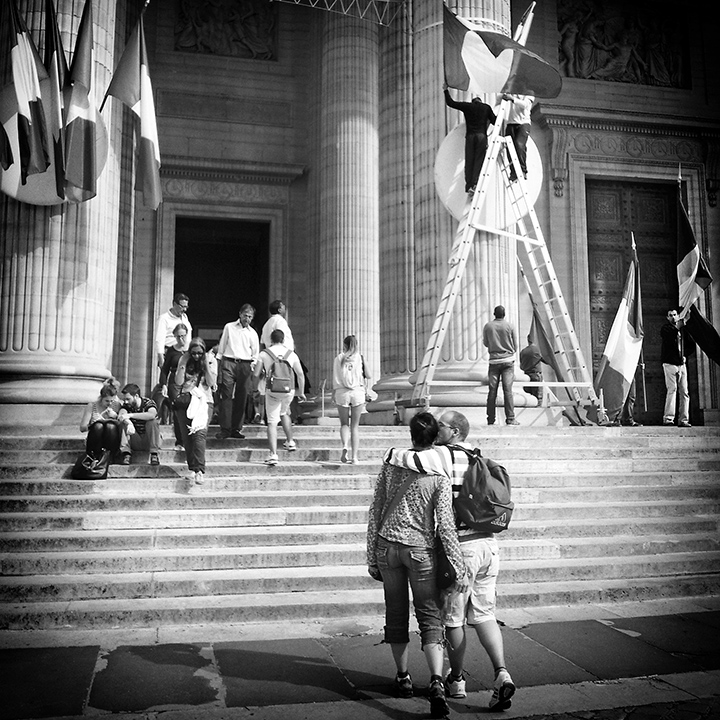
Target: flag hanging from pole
x,y
131,84
481,61
27,72
692,272
80,151
57,68
706,337
6,153
622,350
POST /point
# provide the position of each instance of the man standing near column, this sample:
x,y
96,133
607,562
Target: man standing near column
x,y
167,322
672,356
499,339
277,321
238,351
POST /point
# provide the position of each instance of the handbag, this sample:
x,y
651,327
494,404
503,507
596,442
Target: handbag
x,y
88,467
182,401
445,573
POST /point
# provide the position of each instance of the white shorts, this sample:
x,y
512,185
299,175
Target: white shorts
x,y
277,405
477,605
350,397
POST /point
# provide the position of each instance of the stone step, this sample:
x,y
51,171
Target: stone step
x,y
292,466
543,554
315,604
254,451
225,517
135,485
163,539
230,499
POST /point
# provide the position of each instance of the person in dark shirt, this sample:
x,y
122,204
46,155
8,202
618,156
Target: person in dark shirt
x,y
142,413
673,358
530,359
478,118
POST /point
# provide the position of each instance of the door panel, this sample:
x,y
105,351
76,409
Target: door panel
x,y
615,210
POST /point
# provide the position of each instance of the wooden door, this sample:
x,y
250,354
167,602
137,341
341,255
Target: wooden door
x,y
615,209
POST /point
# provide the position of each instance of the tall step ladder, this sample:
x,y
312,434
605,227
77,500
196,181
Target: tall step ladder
x,y
534,260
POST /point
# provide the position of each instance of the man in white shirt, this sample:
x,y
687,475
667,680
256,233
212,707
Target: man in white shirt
x,y
237,352
277,321
518,127
167,322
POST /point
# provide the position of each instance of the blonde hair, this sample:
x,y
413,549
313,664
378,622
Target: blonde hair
x,y
350,349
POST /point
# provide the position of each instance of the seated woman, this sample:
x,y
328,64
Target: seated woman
x,y
407,510
100,421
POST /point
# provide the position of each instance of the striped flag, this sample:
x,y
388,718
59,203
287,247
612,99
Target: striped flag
x,y
692,272
6,153
481,61
622,350
27,72
131,84
56,66
704,334
80,153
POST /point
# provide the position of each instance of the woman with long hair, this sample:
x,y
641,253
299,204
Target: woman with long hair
x,y
100,421
350,379
167,375
196,378
407,512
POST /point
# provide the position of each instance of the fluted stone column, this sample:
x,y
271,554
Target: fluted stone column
x,y
348,272
490,277
58,264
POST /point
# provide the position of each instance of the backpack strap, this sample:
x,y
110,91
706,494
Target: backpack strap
x,y
396,499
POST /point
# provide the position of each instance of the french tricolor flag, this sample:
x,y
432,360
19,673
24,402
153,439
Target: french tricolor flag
x,y
480,61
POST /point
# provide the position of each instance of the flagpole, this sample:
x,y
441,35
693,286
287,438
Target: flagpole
x,y
642,378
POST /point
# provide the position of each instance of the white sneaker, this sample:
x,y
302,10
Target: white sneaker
x,y
290,445
272,459
179,448
455,688
199,477
503,690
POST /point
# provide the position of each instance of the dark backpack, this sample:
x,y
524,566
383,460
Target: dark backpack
x,y
483,502
281,378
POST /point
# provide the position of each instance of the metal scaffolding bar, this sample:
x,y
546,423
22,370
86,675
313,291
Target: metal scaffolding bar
x,y
382,12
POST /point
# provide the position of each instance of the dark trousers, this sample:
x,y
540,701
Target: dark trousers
x,y
234,378
519,135
103,435
196,443
496,373
475,149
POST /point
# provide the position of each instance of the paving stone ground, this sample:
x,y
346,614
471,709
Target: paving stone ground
x,y
614,666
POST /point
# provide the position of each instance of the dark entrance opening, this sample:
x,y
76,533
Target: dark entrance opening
x,y
649,210
221,264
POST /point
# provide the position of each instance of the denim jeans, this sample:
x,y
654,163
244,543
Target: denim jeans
x,y
399,564
194,444
496,372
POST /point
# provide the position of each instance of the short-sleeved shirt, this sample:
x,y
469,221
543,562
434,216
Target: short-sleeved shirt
x,y
145,405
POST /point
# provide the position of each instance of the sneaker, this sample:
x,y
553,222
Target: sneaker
x,y
668,422
512,422
237,434
179,448
154,459
272,459
199,477
403,686
503,690
684,423
125,459
290,445
438,704
455,688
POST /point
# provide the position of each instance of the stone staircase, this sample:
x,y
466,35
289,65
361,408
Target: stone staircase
x,y
602,514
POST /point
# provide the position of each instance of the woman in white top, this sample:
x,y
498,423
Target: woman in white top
x,y
350,388
196,375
